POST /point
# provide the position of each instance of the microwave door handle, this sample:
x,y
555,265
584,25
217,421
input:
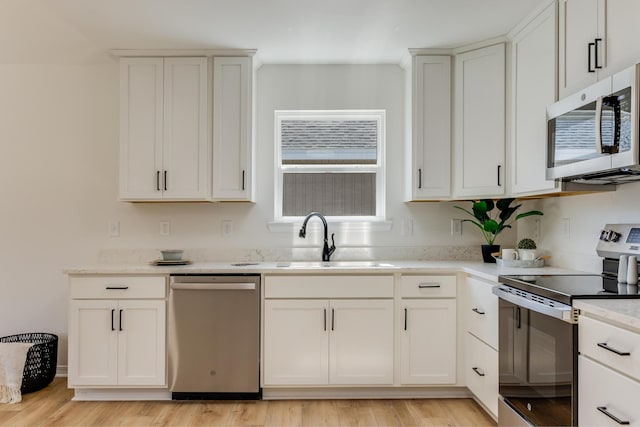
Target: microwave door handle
x,y
617,114
599,148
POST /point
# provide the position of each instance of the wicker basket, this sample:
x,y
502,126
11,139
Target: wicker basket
x,y
40,366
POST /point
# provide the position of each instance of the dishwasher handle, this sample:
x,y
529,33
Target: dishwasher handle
x,y
250,286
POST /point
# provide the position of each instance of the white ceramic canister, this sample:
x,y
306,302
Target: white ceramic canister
x,y
632,270
622,269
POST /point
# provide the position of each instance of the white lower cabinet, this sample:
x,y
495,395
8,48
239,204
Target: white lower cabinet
x,y
117,342
429,341
480,329
320,342
427,326
481,365
608,374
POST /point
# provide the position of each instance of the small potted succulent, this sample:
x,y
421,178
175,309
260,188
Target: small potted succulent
x,y
491,225
527,249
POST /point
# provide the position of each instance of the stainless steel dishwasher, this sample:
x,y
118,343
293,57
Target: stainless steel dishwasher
x,y
214,337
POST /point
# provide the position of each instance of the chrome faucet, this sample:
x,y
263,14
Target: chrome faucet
x,y
326,250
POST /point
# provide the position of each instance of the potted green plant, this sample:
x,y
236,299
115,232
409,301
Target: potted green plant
x,y
527,249
493,223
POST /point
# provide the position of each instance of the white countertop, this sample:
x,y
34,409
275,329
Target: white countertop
x,y
622,311
480,269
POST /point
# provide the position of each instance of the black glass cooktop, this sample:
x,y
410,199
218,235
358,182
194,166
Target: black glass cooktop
x,y
566,288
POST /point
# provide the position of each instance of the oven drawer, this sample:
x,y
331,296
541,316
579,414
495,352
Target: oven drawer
x,y
610,345
117,287
615,394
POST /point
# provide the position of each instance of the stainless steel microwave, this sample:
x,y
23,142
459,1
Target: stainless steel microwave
x,y
593,134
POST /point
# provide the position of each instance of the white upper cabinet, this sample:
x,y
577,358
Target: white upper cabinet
x,y
428,82
232,129
164,144
479,147
533,88
596,38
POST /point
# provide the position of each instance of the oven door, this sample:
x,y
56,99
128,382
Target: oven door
x,y
537,363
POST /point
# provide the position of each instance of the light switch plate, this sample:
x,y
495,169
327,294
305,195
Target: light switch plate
x,y
456,227
165,228
227,227
114,229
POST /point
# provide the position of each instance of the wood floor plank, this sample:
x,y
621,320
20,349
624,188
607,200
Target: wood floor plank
x,y
53,407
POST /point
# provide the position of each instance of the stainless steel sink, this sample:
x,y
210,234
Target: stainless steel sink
x,y
333,264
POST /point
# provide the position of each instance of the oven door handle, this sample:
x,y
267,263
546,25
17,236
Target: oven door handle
x,y
562,312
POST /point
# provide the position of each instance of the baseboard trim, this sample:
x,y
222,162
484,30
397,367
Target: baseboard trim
x,y
62,371
365,393
107,394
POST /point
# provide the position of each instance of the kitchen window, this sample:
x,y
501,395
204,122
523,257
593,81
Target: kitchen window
x,y
331,162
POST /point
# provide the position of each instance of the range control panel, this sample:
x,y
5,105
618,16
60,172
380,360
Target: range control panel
x,y
619,239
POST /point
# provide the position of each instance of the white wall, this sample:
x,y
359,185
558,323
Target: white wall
x,y
587,215
59,163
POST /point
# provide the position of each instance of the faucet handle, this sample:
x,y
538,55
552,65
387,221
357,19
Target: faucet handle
x,y
333,244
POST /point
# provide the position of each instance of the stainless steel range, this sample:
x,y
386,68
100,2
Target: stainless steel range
x,y
538,332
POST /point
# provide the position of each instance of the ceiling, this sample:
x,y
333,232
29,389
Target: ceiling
x,y
283,31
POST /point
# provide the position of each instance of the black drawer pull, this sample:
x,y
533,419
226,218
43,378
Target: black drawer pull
x,y
405,318
428,285
613,350
324,322
116,288
112,313
478,371
475,310
603,409
120,320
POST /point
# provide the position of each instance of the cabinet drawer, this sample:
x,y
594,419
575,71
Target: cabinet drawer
x,y
482,311
117,287
428,286
328,286
481,371
601,387
602,342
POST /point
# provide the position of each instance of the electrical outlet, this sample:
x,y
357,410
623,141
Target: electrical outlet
x,y
536,231
165,228
114,229
566,227
456,227
227,227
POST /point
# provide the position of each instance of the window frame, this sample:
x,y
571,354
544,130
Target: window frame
x,y
331,115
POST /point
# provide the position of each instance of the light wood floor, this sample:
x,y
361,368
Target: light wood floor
x,y
52,406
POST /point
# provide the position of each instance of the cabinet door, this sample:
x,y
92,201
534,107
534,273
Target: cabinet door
x,y
602,389
141,130
141,342
186,160
480,122
534,87
578,26
361,344
93,342
296,342
622,34
430,96
481,371
428,341
232,128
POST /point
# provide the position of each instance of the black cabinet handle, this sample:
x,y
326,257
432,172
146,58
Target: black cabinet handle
x,y
243,179
405,318
157,180
428,285
116,288
478,371
590,48
419,178
112,313
120,320
333,317
613,350
324,321
597,66
165,180
603,409
475,310
518,318
499,167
